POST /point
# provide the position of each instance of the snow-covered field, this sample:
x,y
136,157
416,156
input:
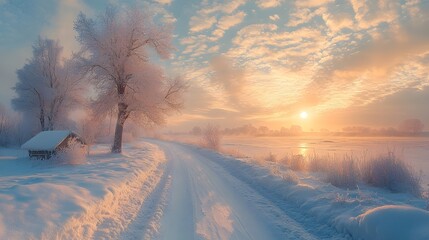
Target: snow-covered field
x,y
42,200
412,150
168,190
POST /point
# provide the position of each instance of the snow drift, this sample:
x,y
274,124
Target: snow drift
x,y
392,222
364,213
93,200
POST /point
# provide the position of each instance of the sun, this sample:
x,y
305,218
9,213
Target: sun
x,y
303,115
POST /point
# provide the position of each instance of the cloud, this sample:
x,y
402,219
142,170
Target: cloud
x,y
338,21
218,33
159,10
227,22
255,44
164,2
228,7
328,55
383,112
229,77
302,16
363,57
274,17
269,3
214,49
197,45
372,13
205,17
200,23
312,3
381,56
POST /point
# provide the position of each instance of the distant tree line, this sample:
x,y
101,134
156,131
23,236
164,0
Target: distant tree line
x,y
408,127
250,130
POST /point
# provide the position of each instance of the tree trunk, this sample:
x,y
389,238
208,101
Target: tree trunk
x,y
50,126
42,119
122,116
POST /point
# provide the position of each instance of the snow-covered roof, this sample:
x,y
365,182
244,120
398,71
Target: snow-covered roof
x,y
46,140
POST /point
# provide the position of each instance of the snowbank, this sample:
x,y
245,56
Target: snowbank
x,y
392,222
364,213
42,201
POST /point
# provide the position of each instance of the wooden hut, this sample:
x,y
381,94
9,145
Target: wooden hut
x,y
47,143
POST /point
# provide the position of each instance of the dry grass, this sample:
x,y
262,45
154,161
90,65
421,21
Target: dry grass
x,y
233,152
388,171
384,171
343,173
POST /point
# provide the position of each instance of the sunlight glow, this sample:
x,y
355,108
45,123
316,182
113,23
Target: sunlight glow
x,y
303,115
303,149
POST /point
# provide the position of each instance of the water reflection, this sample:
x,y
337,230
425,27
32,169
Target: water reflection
x,y
303,149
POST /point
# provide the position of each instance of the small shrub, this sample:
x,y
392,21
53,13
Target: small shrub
x,y
271,157
275,170
233,152
393,174
350,197
343,198
285,161
317,163
362,196
290,176
258,161
74,154
343,173
297,162
211,137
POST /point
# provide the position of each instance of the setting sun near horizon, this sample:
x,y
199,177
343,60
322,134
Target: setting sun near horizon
x,y
303,115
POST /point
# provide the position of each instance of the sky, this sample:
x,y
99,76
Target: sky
x,y
264,62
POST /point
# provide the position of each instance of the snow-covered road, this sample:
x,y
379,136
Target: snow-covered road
x,y
198,198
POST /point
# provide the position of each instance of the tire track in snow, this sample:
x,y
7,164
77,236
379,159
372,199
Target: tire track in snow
x,y
282,226
254,210
146,225
109,217
179,218
268,200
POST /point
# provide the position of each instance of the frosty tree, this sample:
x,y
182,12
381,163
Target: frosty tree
x,y
3,124
411,126
48,85
116,46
